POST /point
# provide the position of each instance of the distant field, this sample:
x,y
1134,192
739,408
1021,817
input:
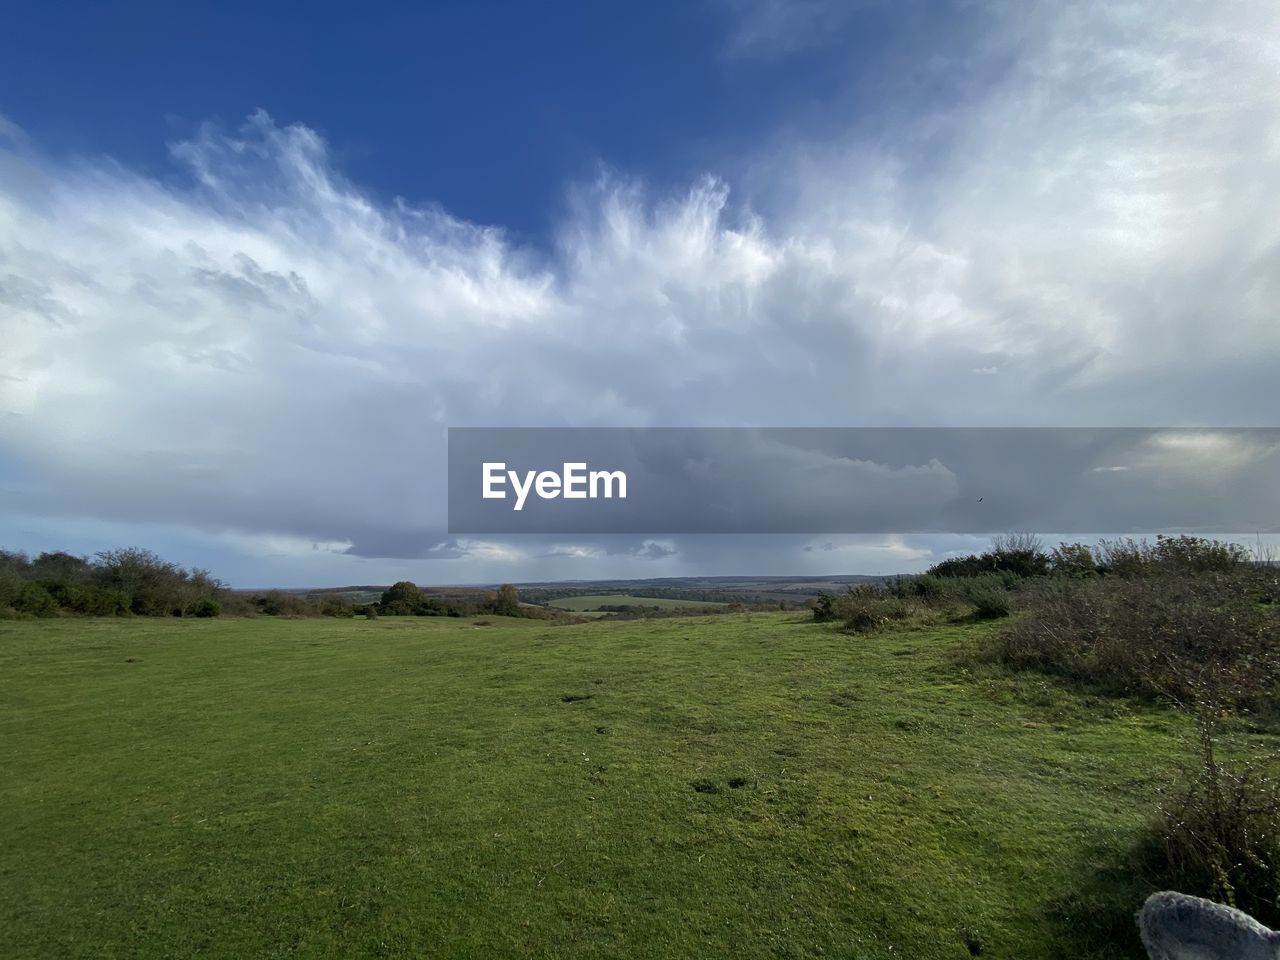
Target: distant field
x,y
747,785
595,601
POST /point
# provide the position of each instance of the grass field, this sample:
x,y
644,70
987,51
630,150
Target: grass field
x,y
747,785
595,601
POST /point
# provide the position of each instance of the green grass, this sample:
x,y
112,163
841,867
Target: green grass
x,y
595,601
747,785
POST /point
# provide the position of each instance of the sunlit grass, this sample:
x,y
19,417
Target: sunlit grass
x,y
742,785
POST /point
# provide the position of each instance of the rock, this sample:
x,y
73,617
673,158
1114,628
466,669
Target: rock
x,y
1175,926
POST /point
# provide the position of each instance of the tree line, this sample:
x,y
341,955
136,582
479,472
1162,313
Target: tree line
x,y
119,582
133,581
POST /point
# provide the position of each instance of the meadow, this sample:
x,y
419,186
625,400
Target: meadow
x,y
754,785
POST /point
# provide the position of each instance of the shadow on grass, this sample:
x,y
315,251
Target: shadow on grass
x,y
1095,918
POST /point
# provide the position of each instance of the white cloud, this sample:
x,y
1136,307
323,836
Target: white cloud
x,y
868,550
273,352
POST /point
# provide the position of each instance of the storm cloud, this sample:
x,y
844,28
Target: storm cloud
x,y
258,356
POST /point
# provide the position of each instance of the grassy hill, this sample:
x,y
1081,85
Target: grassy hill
x,y
747,785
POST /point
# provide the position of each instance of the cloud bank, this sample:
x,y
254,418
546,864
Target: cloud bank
x,y
1088,233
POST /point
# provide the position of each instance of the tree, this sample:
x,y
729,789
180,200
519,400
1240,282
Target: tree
x,y
61,567
154,585
15,562
401,599
506,602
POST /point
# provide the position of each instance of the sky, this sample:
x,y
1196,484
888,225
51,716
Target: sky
x,y
254,260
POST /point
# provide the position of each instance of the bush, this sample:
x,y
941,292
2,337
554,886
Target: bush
x,y
89,600
1072,560
34,600
926,588
115,582
278,603
1217,836
207,608
154,586
337,607
1158,636
1021,554
1179,556
824,608
11,584
869,606
863,621
966,566
989,604
1017,554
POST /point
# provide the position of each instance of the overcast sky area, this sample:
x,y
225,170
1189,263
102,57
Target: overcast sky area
x,y
253,264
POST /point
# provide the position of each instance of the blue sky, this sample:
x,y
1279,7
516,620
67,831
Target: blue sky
x,y
488,109
255,259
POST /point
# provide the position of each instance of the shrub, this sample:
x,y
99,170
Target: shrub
x,y
868,606
407,599
115,582
1017,554
337,607
1021,554
1217,836
34,600
926,588
966,566
154,586
1181,555
1158,636
863,621
278,603
989,604
824,608
1072,560
88,599
11,583
206,608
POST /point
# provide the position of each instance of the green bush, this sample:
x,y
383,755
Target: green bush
x,y
88,600
1178,556
1218,835
11,584
989,603
206,608
869,606
279,603
337,607
1072,560
926,588
116,582
1017,554
1155,636
824,608
34,600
